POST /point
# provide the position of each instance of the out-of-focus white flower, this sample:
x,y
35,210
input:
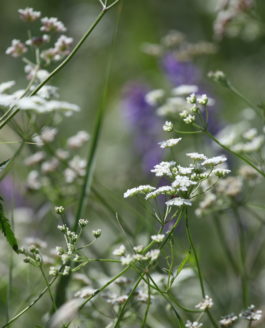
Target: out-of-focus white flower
x,y
178,201
184,90
144,189
154,97
52,24
85,292
169,143
78,140
16,49
206,303
120,251
33,180
35,158
158,238
29,15
168,126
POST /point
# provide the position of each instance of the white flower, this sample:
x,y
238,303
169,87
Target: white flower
x,y
29,15
153,97
62,154
168,126
189,119
138,249
251,314
50,166
48,134
158,238
164,190
153,254
85,292
185,170
118,300
163,168
78,140
194,324
52,24
16,49
62,45
33,180
203,100
184,90
196,156
126,260
120,251
228,320
182,183
206,303
144,189
250,134
191,99
5,86
214,161
35,158
220,173
169,143
178,201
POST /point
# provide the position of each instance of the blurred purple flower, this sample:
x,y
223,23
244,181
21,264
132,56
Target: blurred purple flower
x,y
10,193
144,123
180,72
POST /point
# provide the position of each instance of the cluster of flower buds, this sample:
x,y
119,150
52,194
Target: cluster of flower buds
x,y
48,27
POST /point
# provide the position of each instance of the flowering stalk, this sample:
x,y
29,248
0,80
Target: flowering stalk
x,y
13,111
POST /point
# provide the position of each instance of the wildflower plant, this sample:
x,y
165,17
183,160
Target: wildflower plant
x,y
147,267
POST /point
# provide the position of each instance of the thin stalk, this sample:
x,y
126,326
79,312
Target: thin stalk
x,y
104,286
242,246
122,310
96,134
147,305
28,307
243,158
224,244
48,287
214,323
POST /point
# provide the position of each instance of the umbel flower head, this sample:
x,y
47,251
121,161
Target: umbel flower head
x,y
184,181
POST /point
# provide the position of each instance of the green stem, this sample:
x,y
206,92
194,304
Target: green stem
x,y
30,305
120,316
214,323
224,244
147,306
48,287
242,245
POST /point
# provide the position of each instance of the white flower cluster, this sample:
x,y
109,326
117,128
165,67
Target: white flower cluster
x,y
127,259
239,138
251,314
181,100
47,163
205,304
228,320
184,180
68,254
29,15
194,324
40,103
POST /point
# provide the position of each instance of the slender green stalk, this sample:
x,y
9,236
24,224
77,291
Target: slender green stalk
x,y
121,273
95,139
243,158
48,286
147,306
242,246
122,310
28,307
214,323
224,244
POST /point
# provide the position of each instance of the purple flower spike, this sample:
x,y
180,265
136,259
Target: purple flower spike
x,y
145,124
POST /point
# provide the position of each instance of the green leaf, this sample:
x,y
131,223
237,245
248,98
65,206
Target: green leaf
x,y
6,229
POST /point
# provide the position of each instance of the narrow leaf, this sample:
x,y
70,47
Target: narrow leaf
x,y
7,230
